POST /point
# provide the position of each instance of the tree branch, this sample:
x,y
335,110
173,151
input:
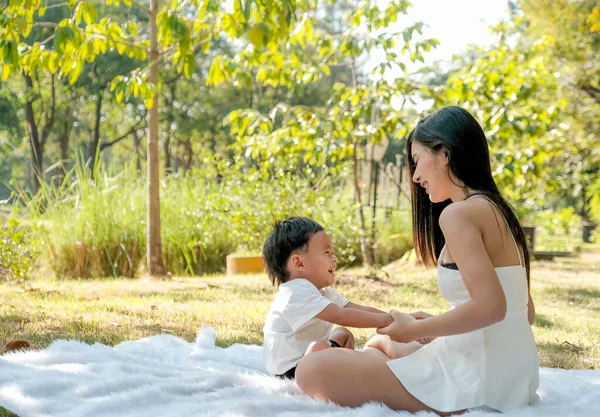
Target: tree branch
x,y
108,38
47,40
45,24
120,138
175,78
195,47
592,92
138,5
54,6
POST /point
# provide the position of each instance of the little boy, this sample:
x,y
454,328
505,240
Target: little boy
x,y
299,258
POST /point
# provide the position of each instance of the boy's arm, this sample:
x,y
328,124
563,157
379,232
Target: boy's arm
x,y
352,317
364,308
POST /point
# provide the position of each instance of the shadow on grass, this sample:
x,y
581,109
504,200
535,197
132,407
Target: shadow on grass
x,y
577,296
574,266
543,321
565,355
584,293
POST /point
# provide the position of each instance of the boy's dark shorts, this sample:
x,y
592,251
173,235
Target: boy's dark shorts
x,y
291,374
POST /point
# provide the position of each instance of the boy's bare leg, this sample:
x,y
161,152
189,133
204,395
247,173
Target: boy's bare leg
x,y
343,337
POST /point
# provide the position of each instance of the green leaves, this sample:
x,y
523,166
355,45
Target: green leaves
x,y
258,35
135,85
262,22
318,138
188,65
86,11
510,90
10,53
217,73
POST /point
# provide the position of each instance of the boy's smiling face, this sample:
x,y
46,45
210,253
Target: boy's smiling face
x,y
317,264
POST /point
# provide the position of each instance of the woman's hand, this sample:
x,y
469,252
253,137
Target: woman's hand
x,y
400,329
420,315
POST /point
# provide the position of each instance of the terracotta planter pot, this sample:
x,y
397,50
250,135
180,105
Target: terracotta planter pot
x,y
244,264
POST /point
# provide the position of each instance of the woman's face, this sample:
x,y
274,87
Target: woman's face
x,y
431,172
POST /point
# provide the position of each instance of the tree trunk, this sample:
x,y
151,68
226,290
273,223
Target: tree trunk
x,y
136,149
365,246
35,143
93,149
188,156
156,265
65,133
63,141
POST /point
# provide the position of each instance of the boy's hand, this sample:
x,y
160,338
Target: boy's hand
x,y
400,329
388,320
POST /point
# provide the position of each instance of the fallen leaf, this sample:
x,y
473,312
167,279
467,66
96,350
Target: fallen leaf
x,y
570,347
88,298
16,345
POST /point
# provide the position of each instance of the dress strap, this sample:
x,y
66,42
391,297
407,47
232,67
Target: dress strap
x,y
519,254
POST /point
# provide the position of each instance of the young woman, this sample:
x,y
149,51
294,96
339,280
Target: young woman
x,y
482,352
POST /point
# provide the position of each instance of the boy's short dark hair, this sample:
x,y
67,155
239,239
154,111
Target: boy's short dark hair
x,y
287,236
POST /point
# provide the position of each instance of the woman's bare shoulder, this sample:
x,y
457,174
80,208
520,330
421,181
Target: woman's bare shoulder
x,y
475,211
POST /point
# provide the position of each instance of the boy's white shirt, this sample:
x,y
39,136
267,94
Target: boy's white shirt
x,y
291,324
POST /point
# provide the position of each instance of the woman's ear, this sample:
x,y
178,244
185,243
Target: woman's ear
x,y
446,156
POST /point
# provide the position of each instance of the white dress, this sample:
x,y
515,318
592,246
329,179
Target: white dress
x,y
495,367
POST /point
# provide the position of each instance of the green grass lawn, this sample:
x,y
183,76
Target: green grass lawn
x,y
109,311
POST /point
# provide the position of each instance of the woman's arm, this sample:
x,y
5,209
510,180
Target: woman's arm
x,y
351,317
364,308
488,303
530,310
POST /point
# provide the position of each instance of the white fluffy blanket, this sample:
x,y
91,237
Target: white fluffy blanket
x,y
167,376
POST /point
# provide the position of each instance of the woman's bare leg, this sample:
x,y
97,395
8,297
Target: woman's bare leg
x,y
351,378
317,346
391,349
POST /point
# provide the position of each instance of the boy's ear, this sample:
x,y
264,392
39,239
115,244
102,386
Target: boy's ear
x,y
297,262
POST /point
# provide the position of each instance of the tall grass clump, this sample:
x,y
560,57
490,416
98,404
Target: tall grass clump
x,y
95,225
92,226
204,220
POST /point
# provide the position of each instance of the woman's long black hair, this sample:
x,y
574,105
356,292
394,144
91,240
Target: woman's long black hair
x,y
455,131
